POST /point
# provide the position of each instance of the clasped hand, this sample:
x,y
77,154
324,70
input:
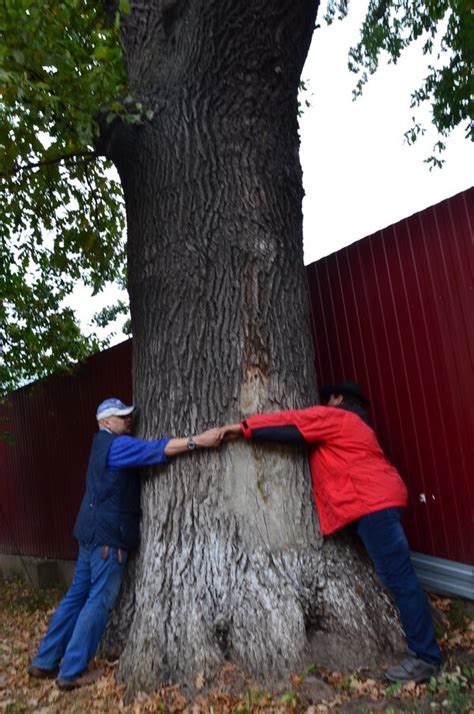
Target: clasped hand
x,y
213,437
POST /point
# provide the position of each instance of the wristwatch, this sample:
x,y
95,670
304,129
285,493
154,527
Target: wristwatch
x,y
191,443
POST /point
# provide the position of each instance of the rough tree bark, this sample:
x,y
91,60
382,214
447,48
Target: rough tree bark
x,y
231,564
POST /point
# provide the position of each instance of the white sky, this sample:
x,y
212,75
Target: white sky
x,y
359,176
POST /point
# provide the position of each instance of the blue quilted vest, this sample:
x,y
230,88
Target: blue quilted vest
x,y
110,510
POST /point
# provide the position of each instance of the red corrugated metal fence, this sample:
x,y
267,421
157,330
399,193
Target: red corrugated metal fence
x,y
395,312
43,473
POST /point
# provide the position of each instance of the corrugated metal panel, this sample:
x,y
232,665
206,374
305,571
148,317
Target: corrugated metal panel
x,y
43,472
395,312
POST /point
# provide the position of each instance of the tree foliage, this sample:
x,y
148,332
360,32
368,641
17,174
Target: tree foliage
x,y
61,212
62,217
446,28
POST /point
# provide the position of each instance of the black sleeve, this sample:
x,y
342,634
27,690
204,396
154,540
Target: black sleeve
x,y
289,433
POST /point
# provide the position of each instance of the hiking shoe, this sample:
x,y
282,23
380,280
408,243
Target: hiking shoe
x,y
412,669
40,673
81,681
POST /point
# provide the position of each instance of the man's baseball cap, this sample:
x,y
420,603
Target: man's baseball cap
x,y
113,407
351,389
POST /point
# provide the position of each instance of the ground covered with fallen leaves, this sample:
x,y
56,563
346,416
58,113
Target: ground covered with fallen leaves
x,y
25,613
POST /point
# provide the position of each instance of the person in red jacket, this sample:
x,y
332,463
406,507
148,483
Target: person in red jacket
x,y
353,482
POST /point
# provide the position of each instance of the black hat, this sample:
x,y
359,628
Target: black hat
x,y
350,388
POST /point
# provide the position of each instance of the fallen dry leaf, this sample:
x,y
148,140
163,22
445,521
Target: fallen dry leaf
x,y
296,680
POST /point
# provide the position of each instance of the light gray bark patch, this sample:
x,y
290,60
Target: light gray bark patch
x,y
262,486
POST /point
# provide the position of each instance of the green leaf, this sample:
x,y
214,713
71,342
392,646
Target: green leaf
x,y
102,53
18,56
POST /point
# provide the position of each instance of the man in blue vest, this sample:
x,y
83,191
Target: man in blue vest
x,y
107,528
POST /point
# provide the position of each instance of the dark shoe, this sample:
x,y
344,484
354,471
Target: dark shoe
x,y
40,673
412,669
81,681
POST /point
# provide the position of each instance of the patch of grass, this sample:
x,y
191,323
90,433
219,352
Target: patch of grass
x,y
459,615
450,690
346,686
392,690
253,697
15,708
291,698
22,597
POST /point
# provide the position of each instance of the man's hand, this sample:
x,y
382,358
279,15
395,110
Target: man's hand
x,y
209,438
231,432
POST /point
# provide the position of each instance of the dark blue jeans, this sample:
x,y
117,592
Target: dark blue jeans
x,y
387,546
79,622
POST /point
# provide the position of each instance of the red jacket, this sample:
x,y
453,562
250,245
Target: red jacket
x,y
351,475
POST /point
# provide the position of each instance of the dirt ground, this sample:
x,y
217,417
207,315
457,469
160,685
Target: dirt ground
x,y
25,612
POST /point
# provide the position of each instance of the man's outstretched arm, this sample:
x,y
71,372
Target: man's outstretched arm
x,y
297,426
288,433
128,452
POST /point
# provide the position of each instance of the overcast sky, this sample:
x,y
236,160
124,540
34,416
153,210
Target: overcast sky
x,y
359,176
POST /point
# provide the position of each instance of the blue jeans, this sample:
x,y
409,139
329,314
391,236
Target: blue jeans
x,y
79,622
387,546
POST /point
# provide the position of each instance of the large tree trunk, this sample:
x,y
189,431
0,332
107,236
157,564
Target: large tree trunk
x,y
231,564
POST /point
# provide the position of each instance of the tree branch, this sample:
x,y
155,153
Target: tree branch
x,y
83,155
